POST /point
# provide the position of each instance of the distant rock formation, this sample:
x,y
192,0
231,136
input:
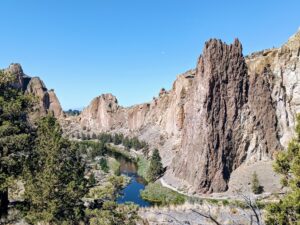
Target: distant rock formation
x,y
47,102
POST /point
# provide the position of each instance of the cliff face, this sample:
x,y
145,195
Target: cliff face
x,y
230,110
47,102
159,121
213,129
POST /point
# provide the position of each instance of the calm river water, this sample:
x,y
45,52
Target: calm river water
x,y
131,193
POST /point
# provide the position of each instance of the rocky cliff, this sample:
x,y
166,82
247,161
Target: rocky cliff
x,y
159,122
230,110
47,102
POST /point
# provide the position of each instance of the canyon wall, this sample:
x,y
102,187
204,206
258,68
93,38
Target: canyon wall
x,y
229,111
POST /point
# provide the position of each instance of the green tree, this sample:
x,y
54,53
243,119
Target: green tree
x,y
117,139
103,165
287,210
156,167
255,185
92,180
55,182
15,134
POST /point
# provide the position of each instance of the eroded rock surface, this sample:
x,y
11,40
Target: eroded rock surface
x,y
229,111
213,130
47,102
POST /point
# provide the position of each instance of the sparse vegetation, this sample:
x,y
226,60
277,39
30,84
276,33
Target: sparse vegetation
x,y
113,214
160,195
72,112
255,185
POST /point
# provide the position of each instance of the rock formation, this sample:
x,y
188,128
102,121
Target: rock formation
x,y
47,102
212,138
230,110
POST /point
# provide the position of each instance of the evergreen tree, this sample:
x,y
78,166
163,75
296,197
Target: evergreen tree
x,y
156,167
287,210
88,136
103,165
15,137
55,183
117,139
256,187
92,180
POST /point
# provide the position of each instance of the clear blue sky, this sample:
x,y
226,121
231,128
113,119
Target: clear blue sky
x,y
131,48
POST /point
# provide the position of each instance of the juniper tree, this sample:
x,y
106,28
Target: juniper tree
x,y
15,134
255,186
55,182
103,165
287,210
156,167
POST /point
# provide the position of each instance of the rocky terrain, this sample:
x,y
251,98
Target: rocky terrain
x,y
230,112
47,101
195,214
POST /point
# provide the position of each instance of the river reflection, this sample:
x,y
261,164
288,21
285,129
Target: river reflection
x,y
131,193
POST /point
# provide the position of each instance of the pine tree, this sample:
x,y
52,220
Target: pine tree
x,y
103,165
287,210
55,182
256,187
92,180
156,167
15,134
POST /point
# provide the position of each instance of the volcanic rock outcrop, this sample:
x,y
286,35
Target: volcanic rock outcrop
x,y
213,129
230,110
47,102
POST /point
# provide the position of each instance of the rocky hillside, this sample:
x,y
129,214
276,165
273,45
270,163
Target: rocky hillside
x,y
229,111
47,102
240,110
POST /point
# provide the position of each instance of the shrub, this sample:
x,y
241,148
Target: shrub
x,y
256,187
160,195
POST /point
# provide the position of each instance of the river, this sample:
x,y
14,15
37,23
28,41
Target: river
x,y
131,193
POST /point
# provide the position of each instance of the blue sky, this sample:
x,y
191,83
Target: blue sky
x,y
130,48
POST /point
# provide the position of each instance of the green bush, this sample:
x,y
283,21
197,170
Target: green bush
x,y
143,167
160,195
104,166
